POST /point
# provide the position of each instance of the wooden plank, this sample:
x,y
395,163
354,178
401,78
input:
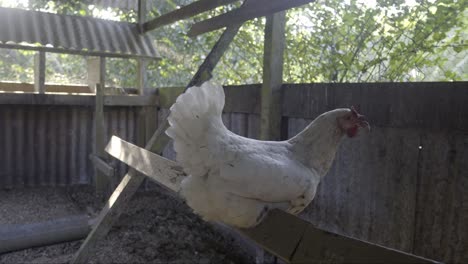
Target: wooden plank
x,y
49,88
132,180
319,246
184,12
80,100
159,169
242,98
39,72
279,233
239,98
75,52
257,8
130,100
385,104
442,198
102,166
271,96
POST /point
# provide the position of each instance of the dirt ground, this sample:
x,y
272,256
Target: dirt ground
x,y
155,228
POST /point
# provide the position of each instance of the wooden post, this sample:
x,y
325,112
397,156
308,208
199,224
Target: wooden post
x,y
96,72
39,72
141,15
101,181
270,128
132,180
270,113
143,111
258,8
96,81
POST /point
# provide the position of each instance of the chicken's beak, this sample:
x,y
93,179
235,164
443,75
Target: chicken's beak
x,y
363,122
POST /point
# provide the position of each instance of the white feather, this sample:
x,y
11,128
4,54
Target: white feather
x,y
234,179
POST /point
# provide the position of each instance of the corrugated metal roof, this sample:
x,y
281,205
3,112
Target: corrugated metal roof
x,y
121,4
72,34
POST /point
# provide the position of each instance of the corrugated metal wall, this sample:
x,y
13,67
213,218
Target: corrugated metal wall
x,y
404,185
50,145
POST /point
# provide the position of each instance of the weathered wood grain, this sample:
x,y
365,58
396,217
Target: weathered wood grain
x,y
442,198
75,100
252,10
271,95
385,104
39,72
319,246
187,11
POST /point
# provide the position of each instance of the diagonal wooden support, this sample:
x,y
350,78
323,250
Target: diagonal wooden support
x,y
257,8
132,180
187,11
286,236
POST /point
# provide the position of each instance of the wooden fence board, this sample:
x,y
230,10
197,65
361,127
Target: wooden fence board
x,y
442,201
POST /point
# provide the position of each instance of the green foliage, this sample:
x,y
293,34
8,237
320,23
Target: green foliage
x,y
326,41
350,42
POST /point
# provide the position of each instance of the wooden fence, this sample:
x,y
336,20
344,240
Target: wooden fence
x,y
403,185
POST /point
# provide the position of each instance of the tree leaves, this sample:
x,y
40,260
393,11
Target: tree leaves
x,y
326,41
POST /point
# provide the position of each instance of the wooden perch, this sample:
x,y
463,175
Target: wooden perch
x,y
184,12
102,166
132,180
287,236
255,9
159,169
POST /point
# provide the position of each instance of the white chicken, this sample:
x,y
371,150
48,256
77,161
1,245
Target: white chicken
x,y
237,180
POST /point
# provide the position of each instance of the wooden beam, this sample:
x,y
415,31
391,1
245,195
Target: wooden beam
x,y
76,52
101,181
141,118
132,180
187,11
270,126
161,170
39,72
297,241
102,166
258,8
141,15
84,100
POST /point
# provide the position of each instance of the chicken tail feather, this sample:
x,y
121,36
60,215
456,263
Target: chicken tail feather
x,y
190,119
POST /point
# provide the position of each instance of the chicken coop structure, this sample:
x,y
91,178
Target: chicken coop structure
x,y
403,187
